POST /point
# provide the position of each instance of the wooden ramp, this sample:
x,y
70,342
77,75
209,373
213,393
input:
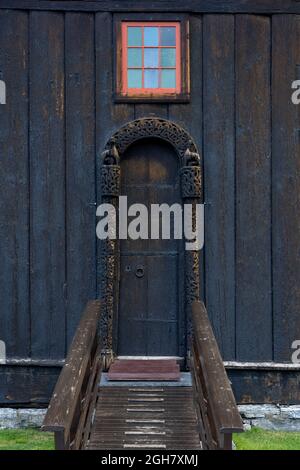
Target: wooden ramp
x,y
86,413
145,418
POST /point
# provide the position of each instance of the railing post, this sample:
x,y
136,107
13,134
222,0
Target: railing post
x,y
59,440
226,441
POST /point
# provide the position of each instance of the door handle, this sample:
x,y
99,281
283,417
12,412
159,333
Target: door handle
x,y
140,271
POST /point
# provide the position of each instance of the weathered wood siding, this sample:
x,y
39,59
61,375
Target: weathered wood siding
x,y
58,68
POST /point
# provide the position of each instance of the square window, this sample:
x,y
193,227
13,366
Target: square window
x,y
151,36
134,36
168,57
134,78
135,57
151,79
168,78
168,36
151,59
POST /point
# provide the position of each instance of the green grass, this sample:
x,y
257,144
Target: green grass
x,y
260,439
256,439
25,439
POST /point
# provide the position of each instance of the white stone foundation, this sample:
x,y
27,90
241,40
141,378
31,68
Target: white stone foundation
x,y
274,417
11,418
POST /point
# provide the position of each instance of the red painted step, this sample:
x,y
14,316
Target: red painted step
x,y
140,369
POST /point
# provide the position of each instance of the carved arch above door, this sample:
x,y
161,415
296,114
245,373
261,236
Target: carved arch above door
x,y
147,127
110,177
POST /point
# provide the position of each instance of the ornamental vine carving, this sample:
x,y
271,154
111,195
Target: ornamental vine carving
x,y
191,182
110,180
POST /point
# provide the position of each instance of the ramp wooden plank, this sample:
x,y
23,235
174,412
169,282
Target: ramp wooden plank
x,y
168,424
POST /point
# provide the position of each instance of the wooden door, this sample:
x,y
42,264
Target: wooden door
x,y
150,318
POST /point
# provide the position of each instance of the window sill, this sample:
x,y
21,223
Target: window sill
x,y
174,98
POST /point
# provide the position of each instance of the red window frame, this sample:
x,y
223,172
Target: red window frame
x,y
151,91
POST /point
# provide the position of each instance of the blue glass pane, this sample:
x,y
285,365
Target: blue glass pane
x,y
134,36
150,36
168,79
134,57
134,79
168,36
168,57
151,79
150,57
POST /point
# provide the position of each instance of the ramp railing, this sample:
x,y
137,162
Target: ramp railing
x,y
218,415
71,408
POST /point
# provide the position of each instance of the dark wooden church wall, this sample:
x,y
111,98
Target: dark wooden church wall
x,y
286,185
251,169
237,162
48,246
14,187
58,67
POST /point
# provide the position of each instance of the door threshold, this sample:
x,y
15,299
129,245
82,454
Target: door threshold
x,y
140,385
151,358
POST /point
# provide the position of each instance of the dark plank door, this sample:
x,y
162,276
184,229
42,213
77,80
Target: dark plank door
x,y
149,307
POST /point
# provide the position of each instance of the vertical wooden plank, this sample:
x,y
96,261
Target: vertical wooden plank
x,y
14,196
219,157
253,189
47,172
80,166
286,186
189,115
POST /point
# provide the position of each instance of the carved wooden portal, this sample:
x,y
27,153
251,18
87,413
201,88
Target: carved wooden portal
x,y
110,178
